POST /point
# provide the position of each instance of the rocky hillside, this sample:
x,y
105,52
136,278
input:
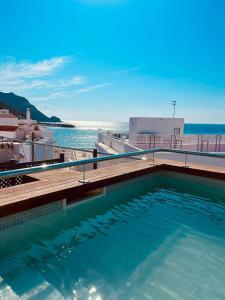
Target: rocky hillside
x,y
18,105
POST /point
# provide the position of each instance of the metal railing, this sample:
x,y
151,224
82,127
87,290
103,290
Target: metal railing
x,y
192,142
70,152
12,165
44,168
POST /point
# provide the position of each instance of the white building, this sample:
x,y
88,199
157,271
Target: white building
x,y
8,124
150,133
25,131
154,126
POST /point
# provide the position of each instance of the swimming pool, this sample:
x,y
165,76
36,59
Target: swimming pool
x,y
159,236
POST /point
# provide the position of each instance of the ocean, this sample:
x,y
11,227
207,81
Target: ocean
x,y
86,132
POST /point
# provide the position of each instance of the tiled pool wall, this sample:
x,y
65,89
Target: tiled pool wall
x,y
44,210
194,184
30,214
19,218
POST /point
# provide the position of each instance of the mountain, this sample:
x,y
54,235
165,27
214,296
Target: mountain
x,y
18,105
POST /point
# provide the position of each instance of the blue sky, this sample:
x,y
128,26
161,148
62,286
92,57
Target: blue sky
x,y
111,59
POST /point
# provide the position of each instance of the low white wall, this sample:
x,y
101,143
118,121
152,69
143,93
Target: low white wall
x,y
41,152
122,147
7,154
9,121
212,161
190,147
118,145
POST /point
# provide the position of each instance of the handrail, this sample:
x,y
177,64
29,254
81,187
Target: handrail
x,y
87,150
209,154
43,168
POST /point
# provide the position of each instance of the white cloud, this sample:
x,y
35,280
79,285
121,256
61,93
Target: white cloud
x,y
12,69
51,96
20,85
93,87
24,77
75,80
40,81
127,70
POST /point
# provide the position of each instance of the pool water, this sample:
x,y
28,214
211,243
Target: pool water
x,y
159,236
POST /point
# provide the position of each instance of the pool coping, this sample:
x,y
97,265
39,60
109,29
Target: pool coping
x,y
76,191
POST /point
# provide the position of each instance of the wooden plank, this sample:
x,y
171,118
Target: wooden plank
x,y
69,180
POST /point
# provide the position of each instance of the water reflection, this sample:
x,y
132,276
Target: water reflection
x,y
138,241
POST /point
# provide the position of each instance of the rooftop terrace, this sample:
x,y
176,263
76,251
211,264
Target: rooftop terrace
x,y
62,181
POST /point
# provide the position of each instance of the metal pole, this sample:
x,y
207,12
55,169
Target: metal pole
x,y
32,147
185,163
153,158
83,180
12,165
174,107
95,154
62,157
83,174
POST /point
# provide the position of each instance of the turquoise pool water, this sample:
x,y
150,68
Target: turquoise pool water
x,y
155,237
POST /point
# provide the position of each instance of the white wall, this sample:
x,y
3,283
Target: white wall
x,y
41,152
9,121
162,126
212,161
7,154
8,134
118,145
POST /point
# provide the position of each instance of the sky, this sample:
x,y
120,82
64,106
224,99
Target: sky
x,y
108,60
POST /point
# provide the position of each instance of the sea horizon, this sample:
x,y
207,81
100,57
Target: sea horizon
x,y
85,134
109,124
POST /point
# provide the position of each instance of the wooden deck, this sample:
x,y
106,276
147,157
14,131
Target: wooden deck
x,y
58,184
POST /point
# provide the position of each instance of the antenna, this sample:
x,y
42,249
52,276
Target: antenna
x,y
174,103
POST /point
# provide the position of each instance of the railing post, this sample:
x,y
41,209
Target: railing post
x,y
185,163
95,154
153,158
32,147
62,157
12,166
83,180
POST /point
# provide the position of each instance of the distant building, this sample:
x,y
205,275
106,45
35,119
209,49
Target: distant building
x,y
155,126
13,129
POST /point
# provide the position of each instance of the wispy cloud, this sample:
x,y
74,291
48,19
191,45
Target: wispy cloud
x,y
43,82
75,80
92,88
12,69
25,76
44,98
127,70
